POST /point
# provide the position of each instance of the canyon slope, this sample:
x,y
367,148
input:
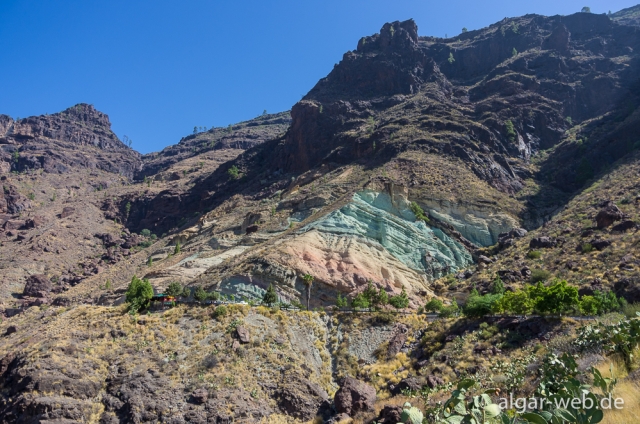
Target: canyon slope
x,y
419,164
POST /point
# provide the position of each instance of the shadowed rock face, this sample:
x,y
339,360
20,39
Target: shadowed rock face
x,y
80,136
458,94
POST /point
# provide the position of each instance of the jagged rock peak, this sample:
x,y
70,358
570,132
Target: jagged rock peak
x,y
85,113
392,34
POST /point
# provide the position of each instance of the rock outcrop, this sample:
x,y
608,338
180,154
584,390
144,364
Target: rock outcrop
x,y
55,143
354,396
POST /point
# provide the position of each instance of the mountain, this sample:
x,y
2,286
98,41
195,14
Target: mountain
x,y
436,169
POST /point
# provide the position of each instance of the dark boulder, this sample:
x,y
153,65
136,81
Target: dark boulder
x,y
67,211
390,414
434,381
38,285
599,244
303,399
397,340
35,222
608,214
624,226
200,396
408,384
354,396
542,242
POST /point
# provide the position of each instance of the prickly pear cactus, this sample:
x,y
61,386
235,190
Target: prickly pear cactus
x,y
411,414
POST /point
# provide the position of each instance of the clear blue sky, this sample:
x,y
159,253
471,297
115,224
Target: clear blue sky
x,y
158,67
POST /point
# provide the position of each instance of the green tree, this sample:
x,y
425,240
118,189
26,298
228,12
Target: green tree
x,y
233,172
177,248
360,302
186,292
145,232
127,209
510,130
498,286
464,29
138,294
200,294
341,301
517,302
174,289
308,281
589,305
434,305
586,9
400,301
16,156
479,306
450,311
608,301
558,298
150,261
270,296
514,52
451,59
539,275
195,130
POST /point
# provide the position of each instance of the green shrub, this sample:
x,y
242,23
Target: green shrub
x,y
434,305
174,289
534,254
138,294
220,312
539,275
200,295
233,172
341,301
510,130
400,301
479,306
146,232
630,310
587,247
418,212
177,248
449,311
270,296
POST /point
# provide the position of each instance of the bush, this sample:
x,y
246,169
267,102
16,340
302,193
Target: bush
x,y
270,297
510,130
146,232
534,254
174,289
177,249
233,172
200,295
449,311
434,305
479,306
630,310
400,301
220,312
138,294
418,212
539,275
587,247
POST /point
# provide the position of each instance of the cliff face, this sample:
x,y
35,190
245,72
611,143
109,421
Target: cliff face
x,y
491,97
78,137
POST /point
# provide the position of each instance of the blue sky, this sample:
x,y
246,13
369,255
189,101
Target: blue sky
x,y
158,67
